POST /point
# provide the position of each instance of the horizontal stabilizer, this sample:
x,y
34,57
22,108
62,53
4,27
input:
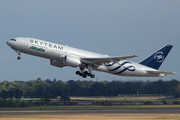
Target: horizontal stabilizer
x,y
160,72
101,60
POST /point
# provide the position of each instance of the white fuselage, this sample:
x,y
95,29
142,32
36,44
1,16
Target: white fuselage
x,y
58,52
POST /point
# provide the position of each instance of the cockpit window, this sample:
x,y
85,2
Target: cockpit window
x,y
13,39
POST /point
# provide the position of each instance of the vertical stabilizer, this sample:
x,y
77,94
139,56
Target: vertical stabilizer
x,y
155,60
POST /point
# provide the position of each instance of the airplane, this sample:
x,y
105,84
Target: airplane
x,y
61,56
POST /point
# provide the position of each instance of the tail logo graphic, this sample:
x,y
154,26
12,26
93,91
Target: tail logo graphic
x,y
159,57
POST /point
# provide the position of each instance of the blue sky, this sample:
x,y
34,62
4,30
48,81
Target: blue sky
x,y
112,27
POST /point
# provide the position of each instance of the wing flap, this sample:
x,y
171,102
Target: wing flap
x,y
101,60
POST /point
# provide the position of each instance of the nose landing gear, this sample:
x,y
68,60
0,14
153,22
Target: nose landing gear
x,y
19,53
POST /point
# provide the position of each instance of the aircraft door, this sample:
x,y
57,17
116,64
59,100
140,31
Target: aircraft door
x,y
25,43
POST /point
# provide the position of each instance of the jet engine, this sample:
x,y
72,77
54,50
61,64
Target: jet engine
x,y
56,63
72,61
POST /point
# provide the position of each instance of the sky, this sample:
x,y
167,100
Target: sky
x,y
112,27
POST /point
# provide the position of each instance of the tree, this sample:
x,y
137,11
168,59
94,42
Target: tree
x,y
128,88
49,89
31,89
4,85
48,81
65,98
115,88
4,94
11,93
177,92
98,89
18,93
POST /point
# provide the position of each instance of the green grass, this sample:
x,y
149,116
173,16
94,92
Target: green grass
x,y
125,99
122,98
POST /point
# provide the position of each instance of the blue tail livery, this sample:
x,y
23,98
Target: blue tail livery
x,y
155,60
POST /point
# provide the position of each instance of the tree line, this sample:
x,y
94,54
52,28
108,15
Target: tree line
x,y
51,89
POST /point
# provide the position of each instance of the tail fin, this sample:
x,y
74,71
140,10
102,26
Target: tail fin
x,y
155,60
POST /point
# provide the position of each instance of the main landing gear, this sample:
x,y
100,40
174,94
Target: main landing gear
x,y
19,53
84,74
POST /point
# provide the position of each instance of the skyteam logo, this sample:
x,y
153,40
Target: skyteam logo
x,y
117,68
159,57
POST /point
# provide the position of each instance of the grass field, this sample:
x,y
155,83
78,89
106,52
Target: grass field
x,y
120,99
125,98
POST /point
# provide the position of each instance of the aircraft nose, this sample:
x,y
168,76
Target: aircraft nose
x,y
8,42
11,42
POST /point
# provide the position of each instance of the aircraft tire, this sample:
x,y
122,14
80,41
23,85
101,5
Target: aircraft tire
x,y
18,57
92,75
86,72
78,72
84,76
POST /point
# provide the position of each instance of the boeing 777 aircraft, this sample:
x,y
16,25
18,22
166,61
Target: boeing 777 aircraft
x,y
61,56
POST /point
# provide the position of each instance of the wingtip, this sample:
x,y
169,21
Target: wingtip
x,y
136,55
174,73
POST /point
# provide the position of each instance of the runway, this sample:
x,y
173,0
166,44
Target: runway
x,y
120,112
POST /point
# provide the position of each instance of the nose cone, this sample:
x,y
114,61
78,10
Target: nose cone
x,y
11,42
8,42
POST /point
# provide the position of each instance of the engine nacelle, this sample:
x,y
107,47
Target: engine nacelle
x,y
56,63
72,61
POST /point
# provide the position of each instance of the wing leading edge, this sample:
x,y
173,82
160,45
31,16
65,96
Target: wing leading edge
x,y
101,60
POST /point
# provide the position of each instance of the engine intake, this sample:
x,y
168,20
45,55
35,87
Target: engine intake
x,y
72,61
56,63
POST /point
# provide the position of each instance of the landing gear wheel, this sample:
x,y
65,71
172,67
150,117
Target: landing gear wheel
x,y
89,74
19,58
84,74
92,76
78,72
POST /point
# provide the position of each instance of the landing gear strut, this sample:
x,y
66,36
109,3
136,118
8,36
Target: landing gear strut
x,y
19,53
84,74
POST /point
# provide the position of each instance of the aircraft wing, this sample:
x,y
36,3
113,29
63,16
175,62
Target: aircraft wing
x,y
161,72
101,60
